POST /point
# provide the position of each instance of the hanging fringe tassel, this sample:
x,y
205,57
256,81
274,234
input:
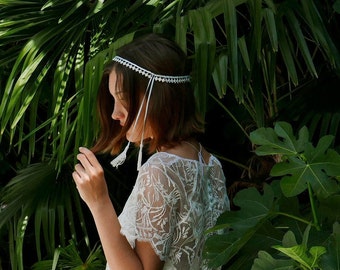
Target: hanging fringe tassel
x,y
148,91
140,154
119,160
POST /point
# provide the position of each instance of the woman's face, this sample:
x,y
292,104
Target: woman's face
x,y
120,112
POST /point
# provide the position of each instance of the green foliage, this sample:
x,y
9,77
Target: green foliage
x,y
49,201
336,6
306,258
318,168
331,260
242,225
258,54
266,262
69,258
46,87
317,257
303,163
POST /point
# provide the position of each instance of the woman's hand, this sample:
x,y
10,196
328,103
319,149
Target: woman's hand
x,y
90,181
89,178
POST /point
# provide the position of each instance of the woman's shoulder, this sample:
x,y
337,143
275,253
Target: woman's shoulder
x,y
165,161
165,158
161,162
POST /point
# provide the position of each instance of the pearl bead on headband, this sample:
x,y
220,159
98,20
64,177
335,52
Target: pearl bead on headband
x,y
152,78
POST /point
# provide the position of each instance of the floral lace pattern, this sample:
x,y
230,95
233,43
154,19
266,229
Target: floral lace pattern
x,y
172,203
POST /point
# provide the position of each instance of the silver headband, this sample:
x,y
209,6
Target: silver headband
x,y
120,159
149,74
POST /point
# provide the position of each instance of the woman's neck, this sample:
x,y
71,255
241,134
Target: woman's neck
x,y
189,149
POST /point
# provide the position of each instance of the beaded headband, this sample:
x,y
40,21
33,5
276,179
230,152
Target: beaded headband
x,y
152,77
149,74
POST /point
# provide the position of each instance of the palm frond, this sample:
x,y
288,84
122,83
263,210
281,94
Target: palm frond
x,y
37,192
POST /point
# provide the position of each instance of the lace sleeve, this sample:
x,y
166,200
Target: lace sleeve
x,y
157,198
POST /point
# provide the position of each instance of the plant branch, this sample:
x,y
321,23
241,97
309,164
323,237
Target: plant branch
x,y
312,204
295,217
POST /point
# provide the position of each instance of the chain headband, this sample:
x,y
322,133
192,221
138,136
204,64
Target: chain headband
x,y
120,159
149,74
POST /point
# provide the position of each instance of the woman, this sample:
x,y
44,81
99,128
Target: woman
x,y
180,190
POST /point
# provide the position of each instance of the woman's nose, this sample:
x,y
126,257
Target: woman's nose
x,y
117,114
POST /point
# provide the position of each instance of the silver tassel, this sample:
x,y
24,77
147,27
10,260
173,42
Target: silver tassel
x,y
120,159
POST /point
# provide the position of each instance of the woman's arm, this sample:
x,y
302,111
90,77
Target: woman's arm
x,y
90,181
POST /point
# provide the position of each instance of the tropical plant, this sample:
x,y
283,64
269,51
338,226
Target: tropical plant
x,y
69,258
282,209
47,111
253,58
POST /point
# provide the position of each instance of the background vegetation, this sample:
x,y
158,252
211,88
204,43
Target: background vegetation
x,y
266,76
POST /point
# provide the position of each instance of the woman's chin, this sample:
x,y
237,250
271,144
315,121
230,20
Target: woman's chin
x,y
137,138
132,139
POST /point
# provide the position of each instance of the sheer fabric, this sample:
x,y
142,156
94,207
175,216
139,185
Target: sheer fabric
x,y
172,203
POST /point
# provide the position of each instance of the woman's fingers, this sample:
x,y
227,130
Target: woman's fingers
x,y
89,162
91,159
89,178
80,172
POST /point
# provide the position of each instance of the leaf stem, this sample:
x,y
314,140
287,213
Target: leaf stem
x,y
312,204
295,217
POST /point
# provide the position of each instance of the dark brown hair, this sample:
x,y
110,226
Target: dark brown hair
x,y
172,112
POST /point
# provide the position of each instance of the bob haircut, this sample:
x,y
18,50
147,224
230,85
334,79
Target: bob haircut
x,y
171,115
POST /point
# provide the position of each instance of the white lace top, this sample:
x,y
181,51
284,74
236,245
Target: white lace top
x,y
172,203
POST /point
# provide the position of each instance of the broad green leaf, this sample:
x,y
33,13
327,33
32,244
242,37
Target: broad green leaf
x,y
318,172
331,260
289,239
304,257
313,154
279,141
255,209
296,174
300,253
285,131
265,261
302,162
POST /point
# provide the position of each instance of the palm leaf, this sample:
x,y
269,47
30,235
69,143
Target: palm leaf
x,y
232,51
48,206
301,41
204,41
61,51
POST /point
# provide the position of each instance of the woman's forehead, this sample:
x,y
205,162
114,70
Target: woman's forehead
x,y
115,83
